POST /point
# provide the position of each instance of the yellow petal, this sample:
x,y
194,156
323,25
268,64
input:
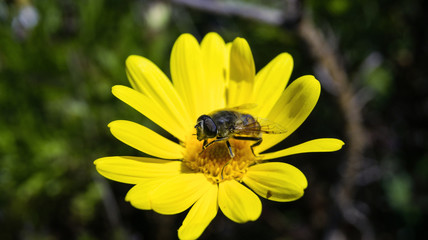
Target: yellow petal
x,y
139,195
276,181
145,140
238,203
179,193
174,124
227,66
213,59
241,74
147,78
200,215
270,83
292,108
316,145
187,73
135,170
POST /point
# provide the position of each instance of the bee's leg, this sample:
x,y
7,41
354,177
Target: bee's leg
x,y
222,169
255,145
231,156
206,144
230,150
258,141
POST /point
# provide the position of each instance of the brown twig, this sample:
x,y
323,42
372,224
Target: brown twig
x,y
244,10
356,138
325,55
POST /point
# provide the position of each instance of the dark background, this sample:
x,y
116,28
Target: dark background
x,y
59,60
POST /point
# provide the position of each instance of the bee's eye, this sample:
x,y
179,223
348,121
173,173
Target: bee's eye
x,y
208,126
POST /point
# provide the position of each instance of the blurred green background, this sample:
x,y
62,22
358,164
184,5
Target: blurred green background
x,y
59,60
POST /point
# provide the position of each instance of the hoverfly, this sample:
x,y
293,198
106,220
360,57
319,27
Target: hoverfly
x,y
233,123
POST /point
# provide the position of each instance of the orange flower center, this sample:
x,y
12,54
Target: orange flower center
x,y
215,161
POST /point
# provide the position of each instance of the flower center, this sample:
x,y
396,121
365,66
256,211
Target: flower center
x,y
215,161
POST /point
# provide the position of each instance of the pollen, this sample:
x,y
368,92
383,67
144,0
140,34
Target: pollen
x,y
215,161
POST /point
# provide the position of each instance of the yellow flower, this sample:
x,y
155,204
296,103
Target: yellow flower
x,y
207,77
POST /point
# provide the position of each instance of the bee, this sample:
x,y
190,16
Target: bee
x,y
221,125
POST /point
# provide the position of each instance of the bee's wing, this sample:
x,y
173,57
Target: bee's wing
x,y
261,126
270,127
251,129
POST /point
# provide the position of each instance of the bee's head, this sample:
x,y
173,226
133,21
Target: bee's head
x,y
205,128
